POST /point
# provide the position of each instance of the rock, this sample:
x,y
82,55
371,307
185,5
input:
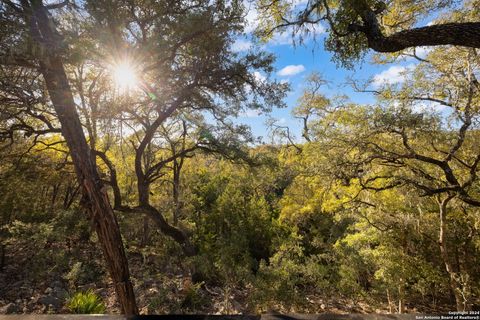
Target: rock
x,y
24,290
148,283
48,290
60,293
86,287
32,301
101,292
152,291
9,308
50,300
57,284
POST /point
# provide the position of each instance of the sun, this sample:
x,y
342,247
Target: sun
x,y
125,76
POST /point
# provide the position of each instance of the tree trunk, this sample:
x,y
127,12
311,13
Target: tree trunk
x,y
455,286
465,34
143,187
3,249
460,34
401,294
97,203
390,304
70,195
55,190
146,233
176,234
176,192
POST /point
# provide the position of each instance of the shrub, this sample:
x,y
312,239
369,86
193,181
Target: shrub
x,y
83,273
194,298
86,303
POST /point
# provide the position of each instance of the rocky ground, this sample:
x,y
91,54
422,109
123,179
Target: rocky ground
x,y
160,287
156,295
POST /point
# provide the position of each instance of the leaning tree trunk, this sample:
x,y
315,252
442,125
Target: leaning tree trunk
x,y
94,194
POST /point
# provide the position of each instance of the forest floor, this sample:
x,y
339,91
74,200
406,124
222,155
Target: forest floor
x,y
29,284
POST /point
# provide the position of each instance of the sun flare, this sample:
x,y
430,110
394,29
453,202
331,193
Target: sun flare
x,y
125,76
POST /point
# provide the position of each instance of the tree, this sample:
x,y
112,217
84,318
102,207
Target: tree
x,y
35,184
189,69
402,144
37,24
356,25
192,69
454,87
310,103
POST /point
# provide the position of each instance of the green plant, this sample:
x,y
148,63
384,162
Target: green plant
x,y
86,303
83,272
194,298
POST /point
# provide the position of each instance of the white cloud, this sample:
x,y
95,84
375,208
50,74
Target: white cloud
x,y
281,38
393,75
251,18
241,45
291,70
259,77
422,52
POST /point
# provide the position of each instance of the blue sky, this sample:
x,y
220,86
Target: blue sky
x,y
295,62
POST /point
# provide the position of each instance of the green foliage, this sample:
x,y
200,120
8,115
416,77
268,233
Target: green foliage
x,y
350,213
234,226
86,303
350,21
83,273
290,274
194,298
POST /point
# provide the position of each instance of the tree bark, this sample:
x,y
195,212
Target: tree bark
x,y
146,232
458,34
144,207
177,168
401,293
143,186
390,304
465,34
176,194
454,285
98,206
176,234
3,249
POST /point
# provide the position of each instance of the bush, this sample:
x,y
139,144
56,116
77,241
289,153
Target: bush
x,y
86,303
83,273
194,299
